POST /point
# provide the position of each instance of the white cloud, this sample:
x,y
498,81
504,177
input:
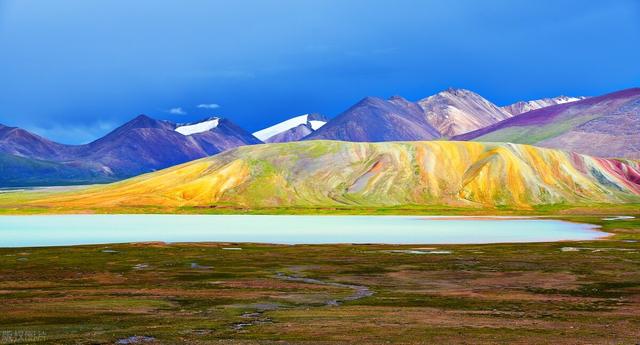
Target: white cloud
x,y
177,111
208,106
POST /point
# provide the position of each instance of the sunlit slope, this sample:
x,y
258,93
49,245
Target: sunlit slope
x,y
603,126
325,173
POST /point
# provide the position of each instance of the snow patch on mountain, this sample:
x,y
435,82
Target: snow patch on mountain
x,y
199,127
525,106
283,126
315,124
565,99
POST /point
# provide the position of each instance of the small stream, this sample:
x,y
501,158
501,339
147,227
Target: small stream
x,y
258,316
359,291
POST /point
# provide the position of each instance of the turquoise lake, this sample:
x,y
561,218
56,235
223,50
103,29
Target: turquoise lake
x,y
60,230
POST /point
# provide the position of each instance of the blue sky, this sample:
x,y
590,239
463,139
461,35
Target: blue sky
x,y
73,70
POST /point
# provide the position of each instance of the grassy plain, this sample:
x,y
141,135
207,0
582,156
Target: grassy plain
x,y
206,293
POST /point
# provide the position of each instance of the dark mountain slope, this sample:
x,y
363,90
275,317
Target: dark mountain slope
x,y
374,120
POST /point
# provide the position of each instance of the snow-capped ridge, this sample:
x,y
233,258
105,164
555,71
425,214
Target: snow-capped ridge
x,y
566,99
525,106
265,134
198,127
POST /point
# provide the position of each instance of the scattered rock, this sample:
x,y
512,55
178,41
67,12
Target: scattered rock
x,y
596,250
136,339
140,266
195,265
250,315
201,331
619,218
256,319
241,325
418,252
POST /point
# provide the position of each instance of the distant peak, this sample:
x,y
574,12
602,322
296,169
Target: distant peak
x,y
401,101
456,91
451,94
370,99
142,118
140,121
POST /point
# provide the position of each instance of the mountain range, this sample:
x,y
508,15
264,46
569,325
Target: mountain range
x,y
139,146
604,126
334,173
446,114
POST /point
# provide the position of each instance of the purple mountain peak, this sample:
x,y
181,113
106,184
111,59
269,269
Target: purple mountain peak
x,y
142,117
144,121
374,119
369,100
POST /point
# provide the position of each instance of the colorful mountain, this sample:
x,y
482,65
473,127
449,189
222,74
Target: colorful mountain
x,y
292,129
373,120
457,111
333,173
525,106
139,146
604,126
